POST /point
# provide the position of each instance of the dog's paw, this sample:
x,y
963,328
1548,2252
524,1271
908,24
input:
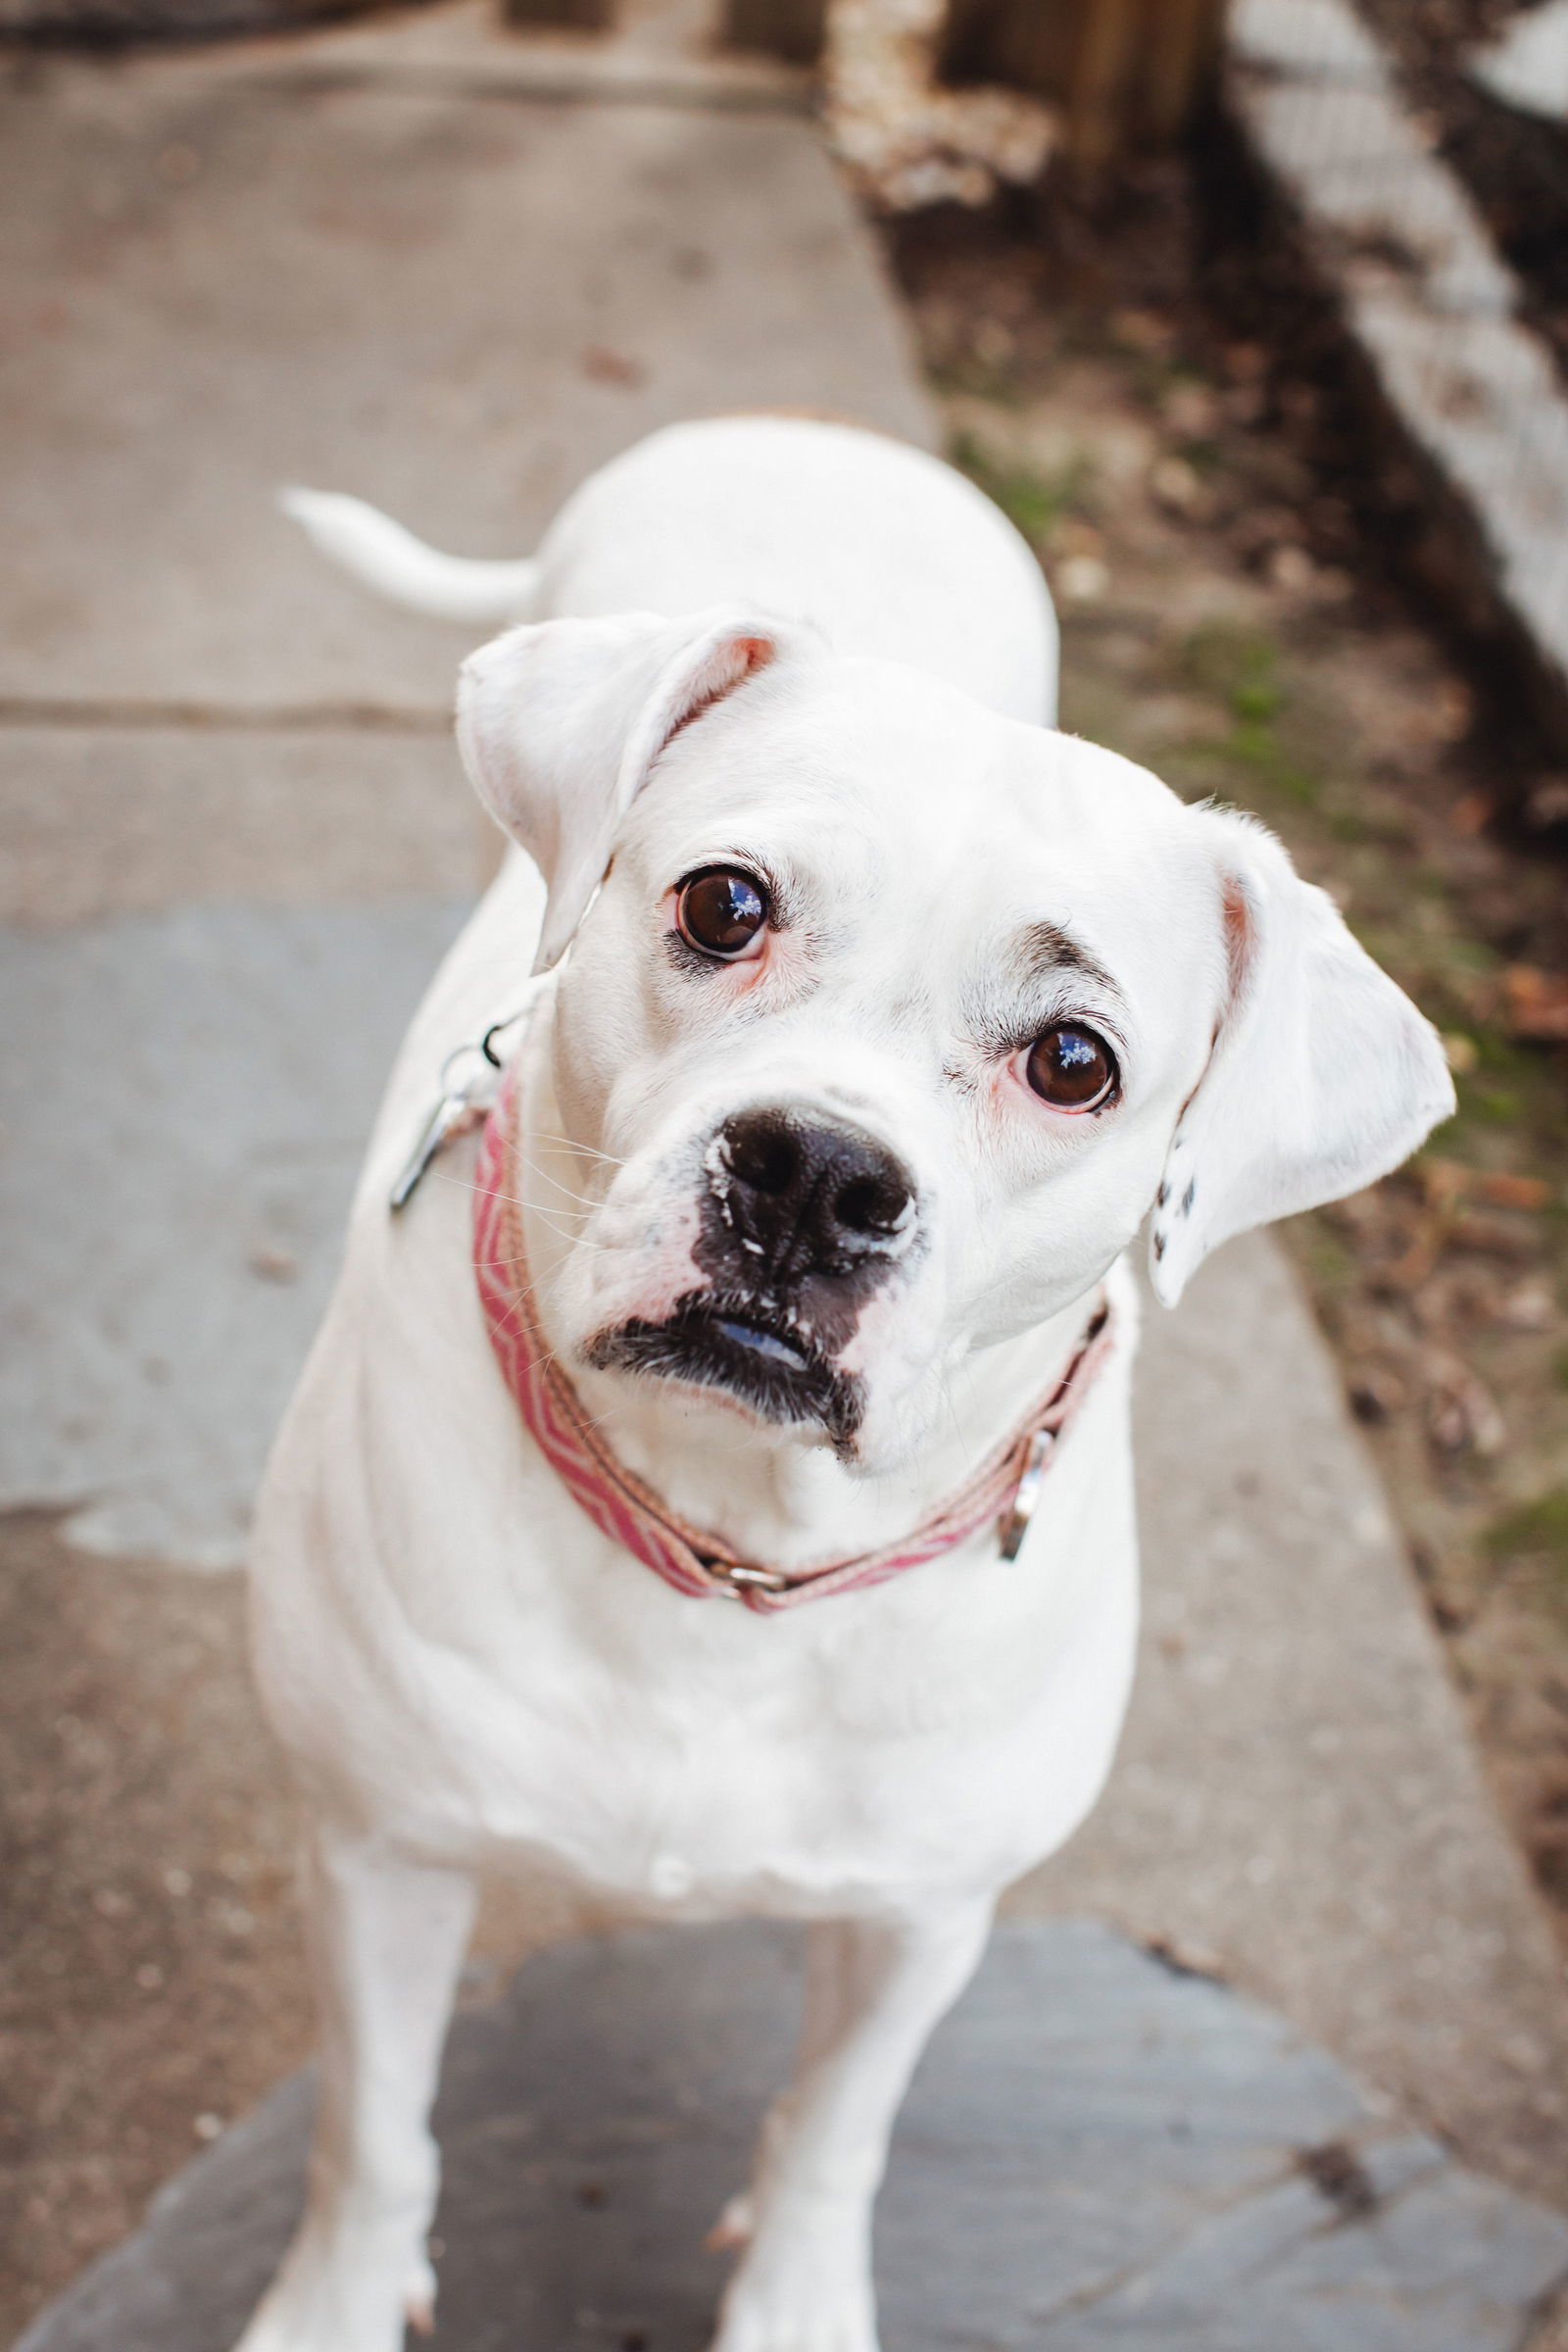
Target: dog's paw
x,y
804,2325
797,2304
734,2226
419,2297
327,2306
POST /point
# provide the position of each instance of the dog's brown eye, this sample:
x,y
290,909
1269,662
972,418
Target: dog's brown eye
x,y
723,913
1071,1068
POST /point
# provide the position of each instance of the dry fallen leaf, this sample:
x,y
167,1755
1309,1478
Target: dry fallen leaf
x,y
603,365
1460,1412
1535,1004
1471,812
1501,1189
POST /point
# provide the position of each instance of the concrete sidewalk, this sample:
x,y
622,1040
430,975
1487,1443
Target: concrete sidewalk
x,y
452,272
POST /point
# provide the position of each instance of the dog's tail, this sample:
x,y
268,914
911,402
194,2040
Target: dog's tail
x,y
387,558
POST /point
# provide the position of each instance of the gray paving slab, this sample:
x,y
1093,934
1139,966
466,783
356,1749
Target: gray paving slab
x,y
183,1101
109,819
1097,2152
452,307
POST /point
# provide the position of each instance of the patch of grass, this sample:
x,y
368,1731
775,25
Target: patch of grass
x,y
1034,503
980,380
1494,1106
1332,1267
1535,1529
1240,669
1205,458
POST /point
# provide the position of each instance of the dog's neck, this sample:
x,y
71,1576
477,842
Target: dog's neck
x,y
772,1492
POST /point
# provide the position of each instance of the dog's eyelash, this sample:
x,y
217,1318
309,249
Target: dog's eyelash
x,y
1002,1042
689,960
782,896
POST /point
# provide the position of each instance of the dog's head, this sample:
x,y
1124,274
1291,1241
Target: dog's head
x,y
886,1020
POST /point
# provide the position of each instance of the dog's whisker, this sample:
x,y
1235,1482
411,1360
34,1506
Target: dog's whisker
x,y
536,1168
586,1151
464,1184
577,1241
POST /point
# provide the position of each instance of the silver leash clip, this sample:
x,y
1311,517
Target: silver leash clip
x,y
461,1105
453,1116
457,1110
1015,1525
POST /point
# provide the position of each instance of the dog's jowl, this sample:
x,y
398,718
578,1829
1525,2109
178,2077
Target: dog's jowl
x,y
710,1490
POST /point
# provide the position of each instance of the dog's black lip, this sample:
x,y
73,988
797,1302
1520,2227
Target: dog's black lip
x,y
744,1331
791,1381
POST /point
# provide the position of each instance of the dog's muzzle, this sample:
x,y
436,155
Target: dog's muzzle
x,y
802,1219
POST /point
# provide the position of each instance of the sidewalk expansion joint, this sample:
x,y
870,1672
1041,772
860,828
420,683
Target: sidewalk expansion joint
x,y
547,86
238,718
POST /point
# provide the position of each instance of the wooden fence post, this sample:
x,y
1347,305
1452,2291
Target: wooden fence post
x,y
793,29
1124,73
572,15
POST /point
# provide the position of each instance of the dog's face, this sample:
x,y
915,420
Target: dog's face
x,y
891,1017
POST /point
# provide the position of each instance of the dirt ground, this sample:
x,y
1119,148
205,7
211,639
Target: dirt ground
x,y
152,1986
1229,619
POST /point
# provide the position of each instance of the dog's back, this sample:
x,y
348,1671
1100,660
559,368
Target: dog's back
x,y
888,551
882,547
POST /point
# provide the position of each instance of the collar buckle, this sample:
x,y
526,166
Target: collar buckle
x,y
734,1579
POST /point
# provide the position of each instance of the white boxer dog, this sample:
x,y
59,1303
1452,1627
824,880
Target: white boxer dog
x,y
653,1522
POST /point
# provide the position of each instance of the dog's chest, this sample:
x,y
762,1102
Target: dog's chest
x,y
669,1755
456,1652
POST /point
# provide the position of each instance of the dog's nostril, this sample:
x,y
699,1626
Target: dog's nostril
x,y
766,1159
870,1203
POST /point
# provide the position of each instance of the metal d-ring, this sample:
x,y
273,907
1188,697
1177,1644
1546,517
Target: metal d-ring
x,y
494,1030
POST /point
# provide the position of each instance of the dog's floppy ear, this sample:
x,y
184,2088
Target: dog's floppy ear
x,y
1323,1075
559,723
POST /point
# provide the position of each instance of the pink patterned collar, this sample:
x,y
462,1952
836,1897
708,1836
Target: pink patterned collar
x,y
1002,1490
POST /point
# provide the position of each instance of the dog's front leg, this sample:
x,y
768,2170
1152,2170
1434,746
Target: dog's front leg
x,y
387,1937
875,1990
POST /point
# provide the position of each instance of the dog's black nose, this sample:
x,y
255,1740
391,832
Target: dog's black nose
x,y
803,1197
